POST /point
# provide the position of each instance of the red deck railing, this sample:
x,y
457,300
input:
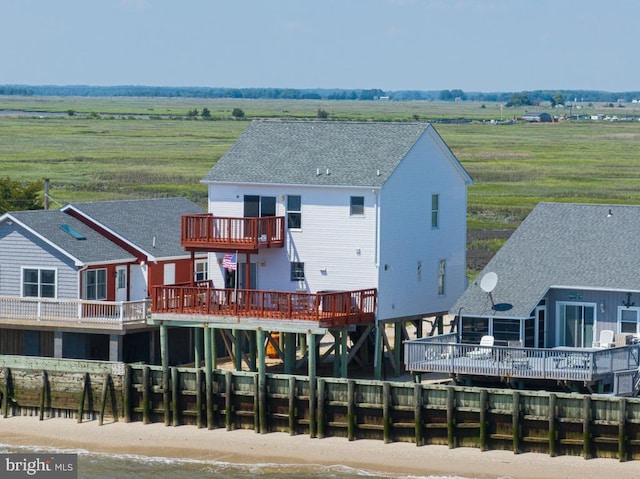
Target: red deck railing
x,y
328,309
205,232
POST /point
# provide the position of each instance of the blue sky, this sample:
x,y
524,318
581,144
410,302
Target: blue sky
x,y
473,45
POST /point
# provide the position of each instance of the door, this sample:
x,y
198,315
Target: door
x,y
121,283
258,207
540,327
242,280
575,324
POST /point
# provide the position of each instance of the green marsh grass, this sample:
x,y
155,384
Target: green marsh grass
x,y
114,148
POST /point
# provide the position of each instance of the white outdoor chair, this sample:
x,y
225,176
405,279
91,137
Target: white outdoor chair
x,y
606,339
484,350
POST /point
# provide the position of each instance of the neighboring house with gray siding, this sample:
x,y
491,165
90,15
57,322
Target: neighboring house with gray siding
x,y
74,282
568,272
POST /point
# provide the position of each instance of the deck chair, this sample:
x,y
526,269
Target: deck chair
x,y
484,349
606,339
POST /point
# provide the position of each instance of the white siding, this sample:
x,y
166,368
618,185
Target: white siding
x,y
328,242
19,249
406,236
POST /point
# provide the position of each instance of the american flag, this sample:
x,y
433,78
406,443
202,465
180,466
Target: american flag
x,y
229,262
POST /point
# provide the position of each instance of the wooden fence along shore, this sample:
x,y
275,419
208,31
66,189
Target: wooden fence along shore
x,y
521,421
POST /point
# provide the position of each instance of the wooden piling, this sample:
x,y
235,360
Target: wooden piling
x,y
146,399
321,417
586,428
622,430
228,400
553,432
451,420
199,415
515,421
127,394
484,407
85,397
351,410
45,393
175,396
256,404
292,406
386,412
417,413
103,398
6,395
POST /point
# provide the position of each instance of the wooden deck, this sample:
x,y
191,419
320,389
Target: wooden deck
x,y
327,310
581,365
55,313
205,232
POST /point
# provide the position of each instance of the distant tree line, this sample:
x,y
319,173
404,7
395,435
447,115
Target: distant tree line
x,y
510,98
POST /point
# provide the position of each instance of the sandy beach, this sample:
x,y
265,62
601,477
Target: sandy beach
x,y
245,446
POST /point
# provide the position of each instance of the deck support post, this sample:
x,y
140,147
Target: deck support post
x,y
262,381
397,345
214,349
208,377
253,351
313,357
484,426
343,353
515,421
197,347
237,346
289,353
336,352
378,354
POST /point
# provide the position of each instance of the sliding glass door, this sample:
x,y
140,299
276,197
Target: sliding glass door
x,y
576,323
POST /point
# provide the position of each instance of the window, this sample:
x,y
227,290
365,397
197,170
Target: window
x,y
435,212
628,319
441,275
39,283
294,211
201,270
95,284
357,205
297,271
121,279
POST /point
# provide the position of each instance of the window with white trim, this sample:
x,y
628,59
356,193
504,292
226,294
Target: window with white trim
x,y
39,283
297,271
435,211
95,284
201,270
294,211
357,206
629,320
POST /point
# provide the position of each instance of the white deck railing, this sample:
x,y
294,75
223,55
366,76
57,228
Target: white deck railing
x,y
443,354
73,310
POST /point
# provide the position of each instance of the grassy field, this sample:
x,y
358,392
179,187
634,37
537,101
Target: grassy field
x,y
114,148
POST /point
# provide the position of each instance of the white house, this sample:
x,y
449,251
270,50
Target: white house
x,y
379,205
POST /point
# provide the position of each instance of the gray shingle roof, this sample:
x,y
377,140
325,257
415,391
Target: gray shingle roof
x,y
95,248
293,152
152,226
561,245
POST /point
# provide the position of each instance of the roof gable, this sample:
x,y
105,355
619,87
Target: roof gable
x,y
151,226
320,153
85,248
565,245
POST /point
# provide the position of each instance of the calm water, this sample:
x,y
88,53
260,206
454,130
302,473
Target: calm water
x,y
109,466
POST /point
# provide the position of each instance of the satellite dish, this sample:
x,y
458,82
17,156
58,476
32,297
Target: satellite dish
x,y
489,282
